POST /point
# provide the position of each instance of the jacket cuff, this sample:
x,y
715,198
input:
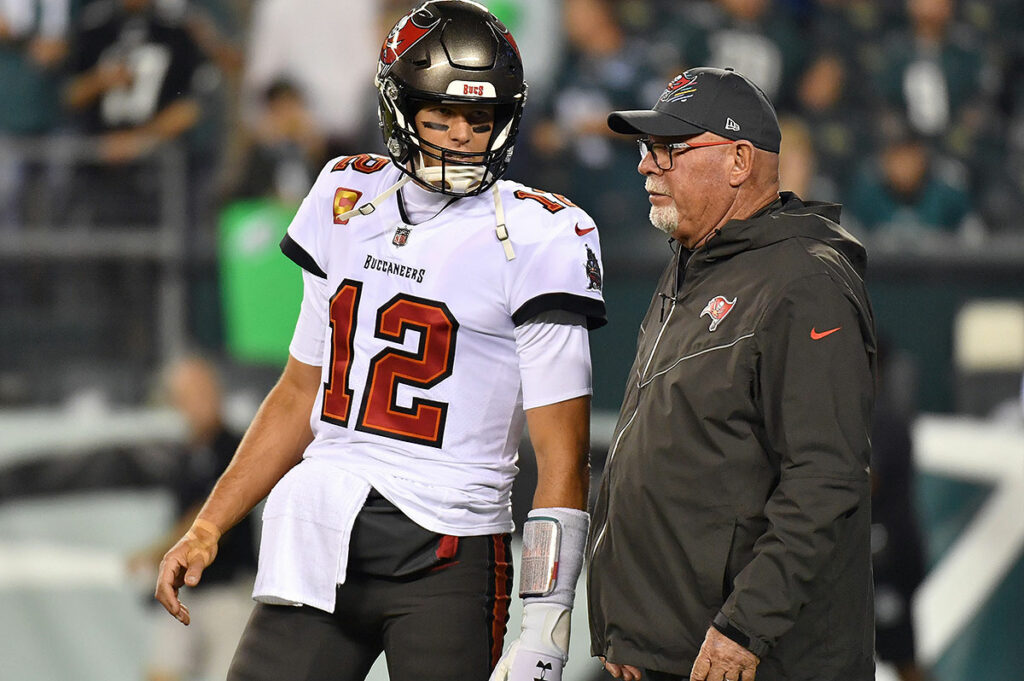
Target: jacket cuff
x,y
731,631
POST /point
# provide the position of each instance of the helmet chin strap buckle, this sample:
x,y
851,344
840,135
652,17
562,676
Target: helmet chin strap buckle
x,y
502,231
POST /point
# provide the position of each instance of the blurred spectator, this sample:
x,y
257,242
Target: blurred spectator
x,y
1001,169
897,544
329,51
216,32
856,29
214,28
284,150
33,45
193,389
188,471
828,99
750,36
932,75
133,66
574,152
798,162
906,194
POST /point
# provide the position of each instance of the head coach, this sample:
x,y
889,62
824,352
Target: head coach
x,y
730,536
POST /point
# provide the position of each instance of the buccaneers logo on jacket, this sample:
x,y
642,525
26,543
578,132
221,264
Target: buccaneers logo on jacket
x,y
717,308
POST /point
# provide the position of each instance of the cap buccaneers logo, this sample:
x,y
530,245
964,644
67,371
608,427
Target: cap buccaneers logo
x,y
717,308
680,89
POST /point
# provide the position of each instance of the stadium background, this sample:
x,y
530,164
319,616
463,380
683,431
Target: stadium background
x,y
103,281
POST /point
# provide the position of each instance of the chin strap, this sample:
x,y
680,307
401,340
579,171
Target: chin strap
x,y
371,206
501,230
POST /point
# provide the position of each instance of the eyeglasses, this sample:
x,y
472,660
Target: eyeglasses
x,y
662,152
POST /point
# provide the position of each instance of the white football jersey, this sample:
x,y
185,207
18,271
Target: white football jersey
x,y
421,394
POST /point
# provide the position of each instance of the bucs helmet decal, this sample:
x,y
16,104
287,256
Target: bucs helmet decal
x,y
409,30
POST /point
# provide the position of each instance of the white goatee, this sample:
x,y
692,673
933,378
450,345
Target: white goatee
x,y
664,218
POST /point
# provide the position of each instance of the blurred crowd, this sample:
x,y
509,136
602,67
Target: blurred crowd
x,y
908,112
911,113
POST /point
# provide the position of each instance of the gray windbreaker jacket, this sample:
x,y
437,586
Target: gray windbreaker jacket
x,y
737,485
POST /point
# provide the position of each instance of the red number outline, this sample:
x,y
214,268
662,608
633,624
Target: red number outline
x,y
551,205
432,362
342,312
364,163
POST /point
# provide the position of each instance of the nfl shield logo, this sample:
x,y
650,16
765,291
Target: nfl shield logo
x,y
401,236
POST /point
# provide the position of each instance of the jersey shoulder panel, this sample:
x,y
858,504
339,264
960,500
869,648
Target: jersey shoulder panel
x,y
355,179
344,184
538,215
558,255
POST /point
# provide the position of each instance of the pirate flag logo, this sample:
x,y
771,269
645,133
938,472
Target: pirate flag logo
x,y
409,30
717,308
680,89
593,270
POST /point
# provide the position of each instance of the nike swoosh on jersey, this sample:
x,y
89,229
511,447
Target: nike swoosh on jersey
x,y
815,335
581,232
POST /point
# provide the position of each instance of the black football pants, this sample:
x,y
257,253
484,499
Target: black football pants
x,y
441,623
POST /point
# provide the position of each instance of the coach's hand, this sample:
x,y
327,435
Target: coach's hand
x,y
626,672
722,658
542,648
183,565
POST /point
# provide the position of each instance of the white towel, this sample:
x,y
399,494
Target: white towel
x,y
307,525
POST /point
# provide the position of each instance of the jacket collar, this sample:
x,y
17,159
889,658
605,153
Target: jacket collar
x,y
788,217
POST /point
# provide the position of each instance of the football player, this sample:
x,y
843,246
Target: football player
x,y
443,307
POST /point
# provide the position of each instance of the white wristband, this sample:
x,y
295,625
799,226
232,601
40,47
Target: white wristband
x,y
553,543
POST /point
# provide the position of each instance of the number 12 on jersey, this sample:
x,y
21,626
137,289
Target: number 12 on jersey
x,y
423,421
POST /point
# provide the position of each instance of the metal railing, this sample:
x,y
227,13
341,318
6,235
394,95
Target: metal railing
x,y
52,235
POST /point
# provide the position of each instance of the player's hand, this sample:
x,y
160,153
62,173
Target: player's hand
x,y
183,565
722,658
626,672
542,648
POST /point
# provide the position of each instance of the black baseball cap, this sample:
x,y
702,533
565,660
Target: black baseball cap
x,y
707,99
